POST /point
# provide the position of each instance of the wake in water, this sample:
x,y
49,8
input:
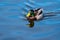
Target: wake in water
x,y
46,15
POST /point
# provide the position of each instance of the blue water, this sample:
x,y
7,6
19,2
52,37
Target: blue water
x,y
13,27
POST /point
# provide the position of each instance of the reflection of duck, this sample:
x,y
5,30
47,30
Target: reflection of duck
x,y
31,23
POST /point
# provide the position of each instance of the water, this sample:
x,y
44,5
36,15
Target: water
x,y
13,26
